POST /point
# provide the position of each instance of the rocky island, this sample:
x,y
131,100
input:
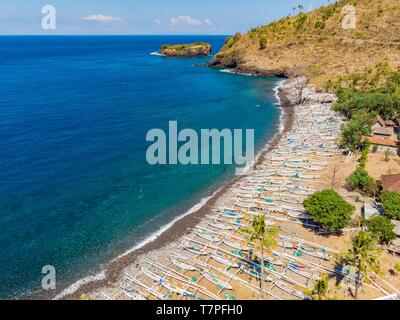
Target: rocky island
x,y
186,50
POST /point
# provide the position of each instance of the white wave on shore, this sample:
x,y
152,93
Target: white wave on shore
x,y
74,287
276,90
232,71
157,54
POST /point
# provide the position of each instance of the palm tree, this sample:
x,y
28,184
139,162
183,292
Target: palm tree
x,y
263,238
320,289
363,254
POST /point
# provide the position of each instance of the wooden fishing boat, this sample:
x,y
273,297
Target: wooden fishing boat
x,y
298,160
313,168
306,176
286,244
131,294
207,236
302,272
324,154
183,265
292,200
289,289
230,216
195,250
291,209
153,276
235,245
223,260
167,285
218,225
299,215
218,282
272,261
148,289
314,253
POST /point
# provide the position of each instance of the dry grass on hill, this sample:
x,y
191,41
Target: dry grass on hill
x,y
315,43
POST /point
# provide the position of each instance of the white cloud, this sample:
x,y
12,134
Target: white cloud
x,y
157,21
207,22
184,21
101,18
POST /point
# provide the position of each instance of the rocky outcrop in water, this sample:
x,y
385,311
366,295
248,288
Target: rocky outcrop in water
x,y
186,50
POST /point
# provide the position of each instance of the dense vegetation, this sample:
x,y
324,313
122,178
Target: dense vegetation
x,y
361,181
329,209
391,204
363,96
382,228
179,47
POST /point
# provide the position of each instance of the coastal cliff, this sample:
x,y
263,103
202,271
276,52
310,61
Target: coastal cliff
x,y
186,50
323,44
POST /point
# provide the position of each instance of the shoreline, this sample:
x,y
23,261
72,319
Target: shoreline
x,y
178,227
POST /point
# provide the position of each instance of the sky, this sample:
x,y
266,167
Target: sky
x,y
132,17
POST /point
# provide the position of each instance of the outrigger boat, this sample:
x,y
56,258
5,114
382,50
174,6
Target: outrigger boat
x,y
193,249
207,236
289,289
170,287
286,245
131,294
218,225
213,279
302,271
183,265
222,259
235,245
313,253
299,215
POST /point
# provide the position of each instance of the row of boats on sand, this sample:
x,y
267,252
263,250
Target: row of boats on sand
x,y
216,261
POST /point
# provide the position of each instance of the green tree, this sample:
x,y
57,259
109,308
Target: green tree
x,y
329,209
353,130
364,255
264,238
360,180
385,104
263,43
391,204
364,154
382,228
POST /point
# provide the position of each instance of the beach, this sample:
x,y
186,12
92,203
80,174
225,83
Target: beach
x,y
203,254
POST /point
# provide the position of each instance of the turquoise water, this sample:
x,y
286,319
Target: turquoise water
x,y
75,187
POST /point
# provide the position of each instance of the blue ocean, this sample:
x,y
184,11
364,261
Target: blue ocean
x,y
75,187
